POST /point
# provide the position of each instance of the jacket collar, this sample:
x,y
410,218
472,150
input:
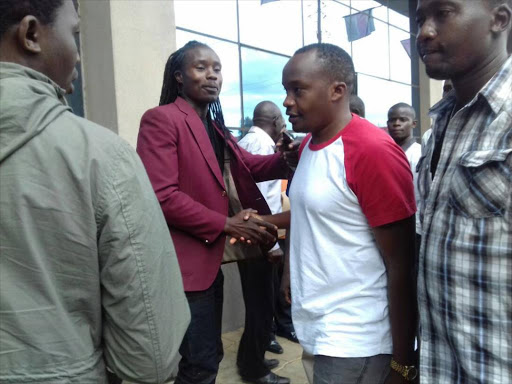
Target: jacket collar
x,y
198,129
14,70
184,106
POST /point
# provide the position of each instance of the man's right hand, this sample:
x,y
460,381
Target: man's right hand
x,y
289,151
244,227
285,287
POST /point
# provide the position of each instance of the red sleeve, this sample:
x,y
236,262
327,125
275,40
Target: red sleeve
x,y
303,144
380,176
157,147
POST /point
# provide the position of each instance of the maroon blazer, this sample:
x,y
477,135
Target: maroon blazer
x,y
179,159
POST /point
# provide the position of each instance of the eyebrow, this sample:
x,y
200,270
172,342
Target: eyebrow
x,y
436,4
295,82
204,61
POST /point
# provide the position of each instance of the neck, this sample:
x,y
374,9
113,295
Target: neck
x,y
405,141
467,86
202,110
332,129
268,130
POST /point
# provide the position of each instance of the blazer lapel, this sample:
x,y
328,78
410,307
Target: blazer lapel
x,y
201,136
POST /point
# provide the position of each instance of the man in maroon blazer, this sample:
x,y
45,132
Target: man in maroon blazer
x,y
183,144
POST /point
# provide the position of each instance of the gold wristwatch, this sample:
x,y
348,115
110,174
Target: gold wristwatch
x,y
409,372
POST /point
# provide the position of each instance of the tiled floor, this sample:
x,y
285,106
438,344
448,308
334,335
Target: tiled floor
x,y
290,364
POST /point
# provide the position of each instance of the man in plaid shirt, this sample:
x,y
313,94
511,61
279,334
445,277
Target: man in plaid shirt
x,y
465,181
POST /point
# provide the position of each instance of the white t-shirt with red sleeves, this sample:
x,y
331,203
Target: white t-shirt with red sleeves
x,y
341,189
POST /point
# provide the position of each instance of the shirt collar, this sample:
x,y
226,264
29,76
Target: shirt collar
x,y
495,92
264,135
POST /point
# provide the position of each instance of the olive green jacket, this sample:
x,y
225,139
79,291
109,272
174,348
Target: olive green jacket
x,y
88,272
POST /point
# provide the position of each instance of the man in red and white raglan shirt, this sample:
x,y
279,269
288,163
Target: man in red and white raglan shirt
x,y
352,230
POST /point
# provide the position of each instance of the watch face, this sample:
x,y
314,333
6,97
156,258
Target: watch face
x,y
412,373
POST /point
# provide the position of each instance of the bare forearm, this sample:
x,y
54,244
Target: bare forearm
x,y
403,313
396,244
281,220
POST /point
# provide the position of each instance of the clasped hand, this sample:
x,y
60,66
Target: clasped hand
x,y
247,226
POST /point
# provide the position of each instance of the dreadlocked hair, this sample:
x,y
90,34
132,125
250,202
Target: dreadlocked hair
x,y
171,90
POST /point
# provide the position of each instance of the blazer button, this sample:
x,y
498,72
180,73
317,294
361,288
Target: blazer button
x,y
206,241
224,193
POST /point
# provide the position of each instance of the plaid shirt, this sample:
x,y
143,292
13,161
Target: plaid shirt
x,y
465,277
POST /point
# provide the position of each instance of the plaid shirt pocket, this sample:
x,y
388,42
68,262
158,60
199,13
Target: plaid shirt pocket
x,y
479,183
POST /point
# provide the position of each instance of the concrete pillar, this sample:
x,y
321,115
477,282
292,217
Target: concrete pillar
x,y
125,45
430,93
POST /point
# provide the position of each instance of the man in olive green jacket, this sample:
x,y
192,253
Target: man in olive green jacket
x,y
88,272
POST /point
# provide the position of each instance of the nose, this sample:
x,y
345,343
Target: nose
x,y
78,57
212,75
288,102
426,32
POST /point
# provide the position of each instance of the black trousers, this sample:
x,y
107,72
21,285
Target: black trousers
x,y
258,291
201,349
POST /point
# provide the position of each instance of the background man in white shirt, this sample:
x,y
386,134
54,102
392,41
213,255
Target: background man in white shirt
x,y
257,273
401,122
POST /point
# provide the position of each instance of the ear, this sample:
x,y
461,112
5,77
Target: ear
x,y
339,90
179,77
501,19
275,123
29,34
414,122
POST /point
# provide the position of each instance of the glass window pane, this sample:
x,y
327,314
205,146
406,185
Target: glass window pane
x,y
230,93
76,99
262,80
399,14
380,95
362,5
217,18
310,12
400,48
334,29
371,53
274,26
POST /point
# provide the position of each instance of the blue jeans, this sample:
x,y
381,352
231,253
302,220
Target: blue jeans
x,y
358,370
201,350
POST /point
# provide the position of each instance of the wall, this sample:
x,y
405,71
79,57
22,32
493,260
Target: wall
x,y
125,45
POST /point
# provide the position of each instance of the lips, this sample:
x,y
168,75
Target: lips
x,y
293,118
211,88
428,53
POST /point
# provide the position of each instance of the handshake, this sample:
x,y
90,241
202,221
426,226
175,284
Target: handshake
x,y
249,227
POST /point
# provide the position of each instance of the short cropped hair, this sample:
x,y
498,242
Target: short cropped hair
x,y
357,105
404,106
337,63
13,11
